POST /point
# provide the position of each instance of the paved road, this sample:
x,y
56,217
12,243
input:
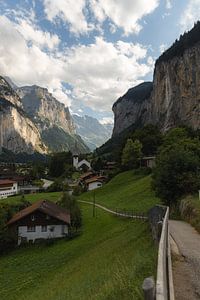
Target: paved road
x,y
186,268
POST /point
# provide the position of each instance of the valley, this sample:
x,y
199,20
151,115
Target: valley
x,y
120,252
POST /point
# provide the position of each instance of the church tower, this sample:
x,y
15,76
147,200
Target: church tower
x,y
75,161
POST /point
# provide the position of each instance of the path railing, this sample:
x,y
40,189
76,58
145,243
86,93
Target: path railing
x,y
163,289
118,212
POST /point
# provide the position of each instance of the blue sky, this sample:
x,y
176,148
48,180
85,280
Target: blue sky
x,y
88,52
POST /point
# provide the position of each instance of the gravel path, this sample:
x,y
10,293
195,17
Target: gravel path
x,y
114,212
186,265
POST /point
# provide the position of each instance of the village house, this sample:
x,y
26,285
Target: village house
x,y
8,188
149,161
41,220
94,183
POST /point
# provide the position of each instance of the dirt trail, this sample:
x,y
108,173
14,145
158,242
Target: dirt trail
x,y
186,263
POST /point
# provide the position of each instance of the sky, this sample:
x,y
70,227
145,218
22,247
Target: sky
x,y
88,53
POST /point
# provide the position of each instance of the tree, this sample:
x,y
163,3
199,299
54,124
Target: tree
x,y
70,203
59,162
177,171
132,154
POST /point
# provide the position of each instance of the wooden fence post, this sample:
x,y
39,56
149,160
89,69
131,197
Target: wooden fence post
x,y
148,287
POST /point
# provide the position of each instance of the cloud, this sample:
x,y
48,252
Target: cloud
x,y
98,73
124,14
33,34
102,71
190,15
168,4
106,121
162,48
27,64
70,12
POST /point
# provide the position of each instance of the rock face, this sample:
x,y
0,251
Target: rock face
x,y
176,91
91,131
52,119
174,98
45,109
132,108
17,132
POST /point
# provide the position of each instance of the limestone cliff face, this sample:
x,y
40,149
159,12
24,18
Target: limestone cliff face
x,y
45,109
174,99
52,119
17,131
176,91
132,108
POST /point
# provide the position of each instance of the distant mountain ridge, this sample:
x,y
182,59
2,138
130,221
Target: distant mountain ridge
x,y
17,132
35,108
93,133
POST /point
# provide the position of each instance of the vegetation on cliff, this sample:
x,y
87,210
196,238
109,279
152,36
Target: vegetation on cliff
x,y
187,40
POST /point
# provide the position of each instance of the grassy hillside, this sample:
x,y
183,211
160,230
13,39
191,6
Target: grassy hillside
x,y
109,260
126,190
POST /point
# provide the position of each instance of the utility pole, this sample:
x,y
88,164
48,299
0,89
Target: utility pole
x,y
94,204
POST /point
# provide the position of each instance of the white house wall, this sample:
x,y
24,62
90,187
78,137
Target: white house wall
x,y
59,231
94,185
10,191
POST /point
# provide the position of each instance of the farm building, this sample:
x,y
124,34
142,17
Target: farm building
x,y
94,182
41,220
8,188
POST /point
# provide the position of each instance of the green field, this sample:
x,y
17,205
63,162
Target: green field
x,y
109,260
126,190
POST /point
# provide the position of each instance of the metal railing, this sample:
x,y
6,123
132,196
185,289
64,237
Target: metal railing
x,y
163,289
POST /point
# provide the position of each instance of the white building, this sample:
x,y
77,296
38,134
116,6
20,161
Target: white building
x,y
94,183
8,188
79,165
42,220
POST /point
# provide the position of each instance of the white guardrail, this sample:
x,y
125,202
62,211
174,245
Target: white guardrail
x,y
164,288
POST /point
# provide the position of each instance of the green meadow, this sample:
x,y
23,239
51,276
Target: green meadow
x,y
108,260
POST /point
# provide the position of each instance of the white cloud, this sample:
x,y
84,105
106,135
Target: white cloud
x,y
69,11
190,15
99,73
168,4
102,71
40,38
162,48
106,121
125,14
27,64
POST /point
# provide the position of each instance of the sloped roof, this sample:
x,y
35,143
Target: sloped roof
x,y
95,179
46,207
6,181
85,175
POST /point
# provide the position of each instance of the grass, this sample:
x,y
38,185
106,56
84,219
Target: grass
x,y
33,197
126,190
109,260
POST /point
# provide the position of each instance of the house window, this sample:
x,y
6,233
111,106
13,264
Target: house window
x,y
44,228
47,217
32,218
30,228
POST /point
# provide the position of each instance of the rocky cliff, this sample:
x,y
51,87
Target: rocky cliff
x,y
176,91
17,132
52,119
174,98
132,108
